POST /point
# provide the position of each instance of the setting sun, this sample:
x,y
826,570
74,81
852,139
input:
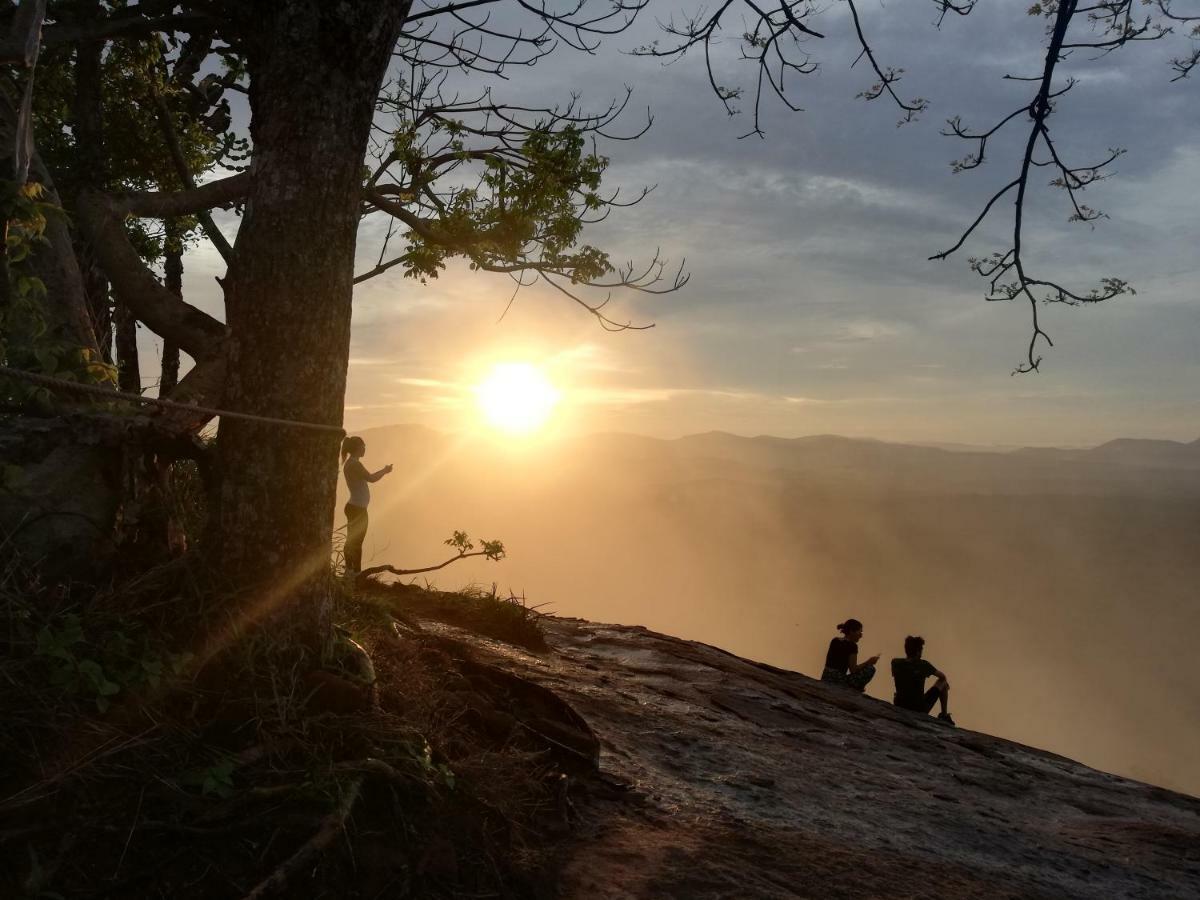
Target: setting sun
x,y
516,397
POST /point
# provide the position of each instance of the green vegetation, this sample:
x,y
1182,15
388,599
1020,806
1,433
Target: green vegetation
x,y
149,752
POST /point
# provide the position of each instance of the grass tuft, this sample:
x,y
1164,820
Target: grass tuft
x,y
480,610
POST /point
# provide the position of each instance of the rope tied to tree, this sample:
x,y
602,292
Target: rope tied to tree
x,y
110,394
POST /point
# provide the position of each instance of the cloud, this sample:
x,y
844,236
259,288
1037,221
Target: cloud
x,y
812,300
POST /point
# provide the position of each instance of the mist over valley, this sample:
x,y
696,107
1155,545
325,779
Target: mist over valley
x,y
1056,588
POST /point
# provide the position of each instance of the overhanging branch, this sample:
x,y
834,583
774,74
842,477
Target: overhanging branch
x,y
161,205
100,221
137,21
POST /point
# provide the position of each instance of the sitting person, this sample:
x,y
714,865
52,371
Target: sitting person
x,y
910,674
841,662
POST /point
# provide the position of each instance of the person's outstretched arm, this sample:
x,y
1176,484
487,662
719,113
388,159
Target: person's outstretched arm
x,y
854,666
375,476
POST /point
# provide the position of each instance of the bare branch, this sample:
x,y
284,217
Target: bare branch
x,y
887,76
1007,275
448,8
392,570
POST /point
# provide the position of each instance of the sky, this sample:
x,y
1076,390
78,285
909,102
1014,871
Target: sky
x,y
812,307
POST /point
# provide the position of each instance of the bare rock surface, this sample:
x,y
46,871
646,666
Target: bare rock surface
x,y
735,779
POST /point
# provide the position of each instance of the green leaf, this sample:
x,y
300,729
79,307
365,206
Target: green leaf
x,y
47,360
94,673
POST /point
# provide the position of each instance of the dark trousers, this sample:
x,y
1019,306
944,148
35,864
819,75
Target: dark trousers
x,y
922,704
857,680
356,533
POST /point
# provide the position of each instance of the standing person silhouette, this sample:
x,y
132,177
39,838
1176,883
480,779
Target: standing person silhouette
x,y
841,662
358,480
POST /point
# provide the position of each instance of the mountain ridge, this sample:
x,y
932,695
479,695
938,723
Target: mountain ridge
x,y
1110,448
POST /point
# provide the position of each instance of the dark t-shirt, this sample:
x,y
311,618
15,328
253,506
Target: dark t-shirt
x,y
910,675
840,651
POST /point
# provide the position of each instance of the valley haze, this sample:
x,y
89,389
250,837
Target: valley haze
x,y
1055,587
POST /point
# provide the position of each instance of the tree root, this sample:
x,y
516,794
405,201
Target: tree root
x,y
334,823
373,766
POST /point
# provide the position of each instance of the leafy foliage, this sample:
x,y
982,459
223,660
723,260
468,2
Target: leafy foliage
x,y
93,667
527,203
136,88
461,541
27,340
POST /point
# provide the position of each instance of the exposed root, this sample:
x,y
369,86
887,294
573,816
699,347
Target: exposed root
x,y
372,766
332,825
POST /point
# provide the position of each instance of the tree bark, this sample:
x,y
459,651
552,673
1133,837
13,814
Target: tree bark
x,y
173,281
197,333
129,371
313,88
89,173
60,509
61,491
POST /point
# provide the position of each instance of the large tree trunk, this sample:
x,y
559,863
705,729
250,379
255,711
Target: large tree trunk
x,y
288,294
87,113
60,495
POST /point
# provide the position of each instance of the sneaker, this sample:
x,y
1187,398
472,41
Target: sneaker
x,y
945,717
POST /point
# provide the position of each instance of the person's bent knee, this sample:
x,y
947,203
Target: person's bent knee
x,y
860,678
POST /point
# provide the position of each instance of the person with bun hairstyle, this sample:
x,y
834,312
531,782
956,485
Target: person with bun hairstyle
x,y
910,674
841,662
359,481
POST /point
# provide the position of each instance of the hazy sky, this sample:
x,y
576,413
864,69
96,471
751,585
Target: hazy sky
x,y
812,307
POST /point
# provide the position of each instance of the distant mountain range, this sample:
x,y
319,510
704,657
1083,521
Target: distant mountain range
x,y
1123,466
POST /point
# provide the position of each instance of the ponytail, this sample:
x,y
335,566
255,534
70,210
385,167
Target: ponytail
x,y
351,444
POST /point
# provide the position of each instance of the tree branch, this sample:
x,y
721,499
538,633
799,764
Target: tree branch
x,y
185,176
130,22
203,386
160,205
392,570
99,219
25,36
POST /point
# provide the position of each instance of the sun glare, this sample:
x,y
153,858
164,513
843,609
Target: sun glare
x,y
516,398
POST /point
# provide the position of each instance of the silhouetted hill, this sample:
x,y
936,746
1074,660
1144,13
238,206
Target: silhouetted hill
x,y
1131,451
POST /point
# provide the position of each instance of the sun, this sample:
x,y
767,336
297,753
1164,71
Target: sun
x,y
516,398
